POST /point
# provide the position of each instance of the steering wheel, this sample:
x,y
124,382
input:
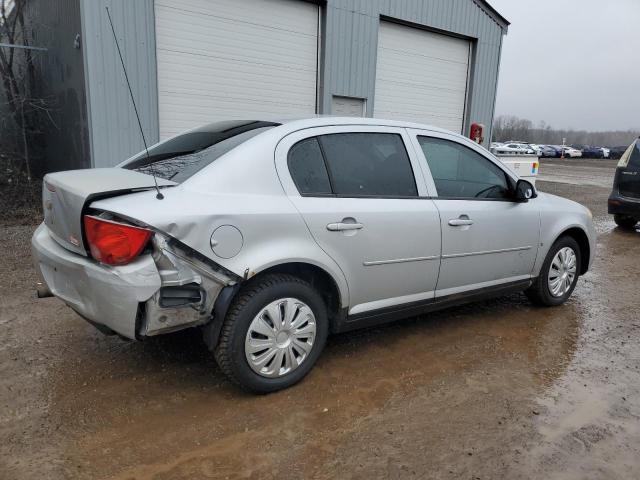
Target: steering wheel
x,y
486,190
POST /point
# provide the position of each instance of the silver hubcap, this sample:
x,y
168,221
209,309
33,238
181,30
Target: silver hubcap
x,y
280,337
562,272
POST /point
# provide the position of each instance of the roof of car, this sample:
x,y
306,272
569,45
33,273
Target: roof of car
x,y
328,121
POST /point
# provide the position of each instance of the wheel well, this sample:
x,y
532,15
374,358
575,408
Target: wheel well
x,y
318,279
583,242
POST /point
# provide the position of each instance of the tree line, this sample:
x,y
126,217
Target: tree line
x,y
509,127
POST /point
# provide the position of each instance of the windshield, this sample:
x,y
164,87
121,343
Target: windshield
x,y
182,156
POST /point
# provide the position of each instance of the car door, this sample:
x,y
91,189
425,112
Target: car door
x,y
356,188
487,238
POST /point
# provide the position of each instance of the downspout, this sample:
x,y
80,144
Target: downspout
x,y
489,137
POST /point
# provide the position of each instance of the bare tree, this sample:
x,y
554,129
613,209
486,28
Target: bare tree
x,y
18,79
509,127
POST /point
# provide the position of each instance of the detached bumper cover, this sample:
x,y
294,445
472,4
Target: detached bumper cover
x,y
106,295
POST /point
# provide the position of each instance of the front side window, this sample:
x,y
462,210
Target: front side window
x,y
460,172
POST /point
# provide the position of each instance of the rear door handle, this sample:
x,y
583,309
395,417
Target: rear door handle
x,y
460,222
341,227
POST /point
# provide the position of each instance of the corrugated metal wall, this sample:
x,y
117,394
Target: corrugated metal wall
x,y
114,130
347,66
351,38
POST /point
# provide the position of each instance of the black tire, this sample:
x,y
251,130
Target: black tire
x,y
259,292
539,292
625,221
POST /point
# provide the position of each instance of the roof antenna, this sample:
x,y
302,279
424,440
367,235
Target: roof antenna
x,y
159,195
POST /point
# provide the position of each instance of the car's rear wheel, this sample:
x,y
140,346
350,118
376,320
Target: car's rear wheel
x,y
273,333
625,221
559,274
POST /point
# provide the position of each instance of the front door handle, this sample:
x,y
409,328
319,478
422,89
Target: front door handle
x,y
460,221
342,227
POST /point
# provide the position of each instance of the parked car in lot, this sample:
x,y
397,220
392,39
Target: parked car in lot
x,y
588,151
529,146
571,152
269,236
624,201
516,148
617,152
537,149
592,152
557,150
547,151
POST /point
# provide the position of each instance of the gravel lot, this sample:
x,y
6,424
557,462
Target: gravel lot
x,y
493,390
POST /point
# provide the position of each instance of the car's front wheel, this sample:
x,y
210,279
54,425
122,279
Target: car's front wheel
x,y
559,274
625,221
273,333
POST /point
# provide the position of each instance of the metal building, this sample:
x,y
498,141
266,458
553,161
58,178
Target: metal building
x,y
197,61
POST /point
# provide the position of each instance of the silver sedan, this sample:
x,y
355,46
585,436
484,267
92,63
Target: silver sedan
x,y
268,236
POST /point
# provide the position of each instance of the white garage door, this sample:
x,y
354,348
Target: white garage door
x,y
234,59
421,76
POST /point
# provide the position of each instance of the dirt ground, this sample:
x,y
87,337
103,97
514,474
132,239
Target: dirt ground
x,y
493,390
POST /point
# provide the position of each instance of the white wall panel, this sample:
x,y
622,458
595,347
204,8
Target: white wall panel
x,y
421,76
234,59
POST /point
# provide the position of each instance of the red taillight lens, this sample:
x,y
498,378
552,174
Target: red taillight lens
x,y
114,243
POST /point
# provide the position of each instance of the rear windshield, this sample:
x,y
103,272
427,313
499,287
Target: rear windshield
x,y
181,157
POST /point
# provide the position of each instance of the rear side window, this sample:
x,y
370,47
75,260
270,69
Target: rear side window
x,y
459,172
352,165
307,168
368,164
183,156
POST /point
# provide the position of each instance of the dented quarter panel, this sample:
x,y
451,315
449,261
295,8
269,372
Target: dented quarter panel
x,y
270,238
176,270
241,189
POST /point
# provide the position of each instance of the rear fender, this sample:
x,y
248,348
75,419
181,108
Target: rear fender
x,y
273,231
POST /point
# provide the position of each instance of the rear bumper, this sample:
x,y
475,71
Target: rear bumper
x,y
108,296
618,204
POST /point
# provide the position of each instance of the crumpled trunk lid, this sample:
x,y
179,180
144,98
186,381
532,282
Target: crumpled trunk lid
x,y
65,194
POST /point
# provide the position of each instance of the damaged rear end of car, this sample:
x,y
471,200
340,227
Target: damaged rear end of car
x,y
121,275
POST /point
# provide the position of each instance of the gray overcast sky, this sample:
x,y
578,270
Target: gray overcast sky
x,y
572,63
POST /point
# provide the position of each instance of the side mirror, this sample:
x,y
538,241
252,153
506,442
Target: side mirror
x,y
525,191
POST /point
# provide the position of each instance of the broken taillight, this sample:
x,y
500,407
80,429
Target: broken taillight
x,y
114,243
